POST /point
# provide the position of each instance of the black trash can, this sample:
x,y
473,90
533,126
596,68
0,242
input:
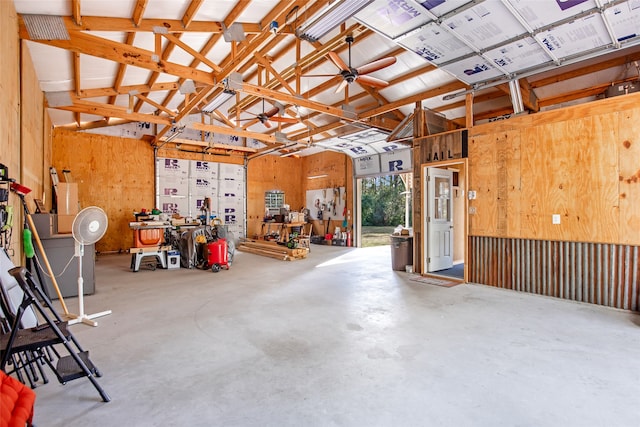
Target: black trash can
x,y
401,252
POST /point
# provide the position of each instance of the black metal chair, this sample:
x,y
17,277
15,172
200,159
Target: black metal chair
x,y
28,365
40,339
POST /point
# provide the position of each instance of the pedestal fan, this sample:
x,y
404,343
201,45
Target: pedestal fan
x,y
88,227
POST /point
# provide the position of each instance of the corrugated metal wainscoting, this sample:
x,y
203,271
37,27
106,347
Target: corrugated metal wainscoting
x,y
604,274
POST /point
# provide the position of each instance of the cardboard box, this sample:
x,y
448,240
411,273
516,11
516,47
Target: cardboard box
x,y
65,223
67,198
295,217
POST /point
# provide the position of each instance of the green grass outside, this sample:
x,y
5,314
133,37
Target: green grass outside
x,y
376,236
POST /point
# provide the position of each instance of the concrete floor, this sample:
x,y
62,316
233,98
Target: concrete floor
x,y
339,339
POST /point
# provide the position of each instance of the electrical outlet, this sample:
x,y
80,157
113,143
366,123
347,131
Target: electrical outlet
x,y
472,210
555,219
471,194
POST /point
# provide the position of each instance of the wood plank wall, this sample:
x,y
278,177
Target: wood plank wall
x,y
581,162
25,142
339,170
35,145
116,174
10,107
268,173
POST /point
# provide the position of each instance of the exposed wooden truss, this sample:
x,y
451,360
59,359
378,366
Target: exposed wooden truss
x,y
254,59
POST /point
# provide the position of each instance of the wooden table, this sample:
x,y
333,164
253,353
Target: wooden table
x,y
283,229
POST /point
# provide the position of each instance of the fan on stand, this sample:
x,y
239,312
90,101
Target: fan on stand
x,y
359,74
266,117
88,227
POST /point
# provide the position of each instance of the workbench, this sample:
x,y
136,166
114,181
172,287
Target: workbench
x,y
283,229
148,237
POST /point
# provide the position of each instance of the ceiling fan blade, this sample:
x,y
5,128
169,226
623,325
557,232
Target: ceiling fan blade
x,y
372,81
338,62
272,112
281,119
341,86
376,65
266,124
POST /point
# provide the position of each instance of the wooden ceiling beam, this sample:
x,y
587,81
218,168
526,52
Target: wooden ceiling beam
x,y
289,73
95,124
441,90
266,64
291,99
76,81
477,99
155,104
76,73
317,130
138,12
529,99
75,12
582,71
221,117
203,59
121,53
190,13
576,94
122,69
225,148
269,139
232,62
108,110
123,90
232,17
187,18
136,18
107,23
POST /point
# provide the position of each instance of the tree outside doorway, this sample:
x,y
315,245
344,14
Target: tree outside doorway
x,y
386,204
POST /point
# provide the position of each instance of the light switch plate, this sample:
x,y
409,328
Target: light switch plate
x,y
555,218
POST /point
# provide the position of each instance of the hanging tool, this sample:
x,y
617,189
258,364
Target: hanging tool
x,y
328,236
6,225
22,191
344,220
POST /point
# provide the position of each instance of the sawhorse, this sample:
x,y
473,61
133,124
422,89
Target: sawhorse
x,y
158,252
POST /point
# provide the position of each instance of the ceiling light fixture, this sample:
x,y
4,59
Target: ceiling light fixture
x,y
329,18
219,99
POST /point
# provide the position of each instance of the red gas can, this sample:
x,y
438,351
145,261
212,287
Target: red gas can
x,y
217,255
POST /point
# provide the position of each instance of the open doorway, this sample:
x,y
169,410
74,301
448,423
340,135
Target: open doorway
x,y
444,208
382,203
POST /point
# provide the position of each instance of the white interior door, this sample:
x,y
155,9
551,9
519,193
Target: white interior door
x,y
439,221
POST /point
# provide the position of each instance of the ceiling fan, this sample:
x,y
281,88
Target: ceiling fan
x,y
359,74
266,117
